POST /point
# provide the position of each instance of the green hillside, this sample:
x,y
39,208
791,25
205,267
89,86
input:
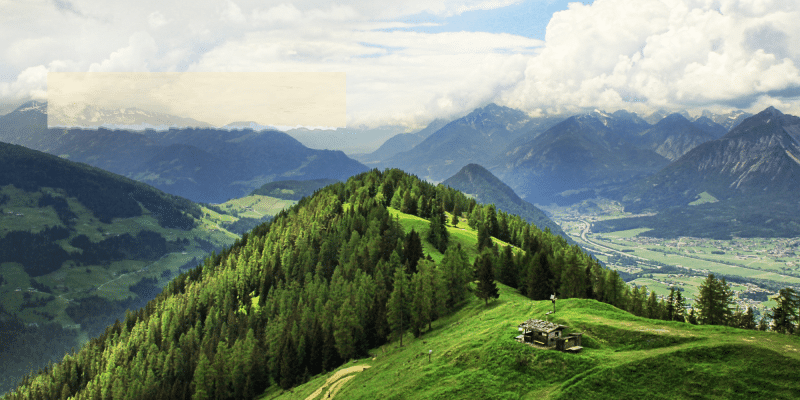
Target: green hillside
x,y
475,356
341,275
79,246
292,189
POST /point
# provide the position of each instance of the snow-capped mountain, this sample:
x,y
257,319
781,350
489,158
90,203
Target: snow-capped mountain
x,y
90,117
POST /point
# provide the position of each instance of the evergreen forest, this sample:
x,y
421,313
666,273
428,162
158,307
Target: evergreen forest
x,y
327,280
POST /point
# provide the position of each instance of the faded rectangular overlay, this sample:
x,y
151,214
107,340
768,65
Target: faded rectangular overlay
x,y
197,99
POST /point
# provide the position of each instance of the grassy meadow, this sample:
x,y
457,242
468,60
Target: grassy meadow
x,y
475,356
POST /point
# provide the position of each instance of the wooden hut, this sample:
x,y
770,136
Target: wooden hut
x,y
570,343
538,332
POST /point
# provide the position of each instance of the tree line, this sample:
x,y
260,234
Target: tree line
x,y
321,283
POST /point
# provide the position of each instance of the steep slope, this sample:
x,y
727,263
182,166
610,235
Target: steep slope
x,y
79,245
579,154
400,143
292,189
203,165
754,171
728,120
674,135
475,138
475,356
475,180
760,156
317,286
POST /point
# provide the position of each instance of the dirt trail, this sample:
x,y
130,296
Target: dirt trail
x,y
336,382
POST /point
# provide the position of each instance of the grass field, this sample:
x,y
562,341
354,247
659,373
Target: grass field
x,y
461,233
475,357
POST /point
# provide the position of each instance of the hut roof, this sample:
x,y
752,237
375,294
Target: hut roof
x,y
540,326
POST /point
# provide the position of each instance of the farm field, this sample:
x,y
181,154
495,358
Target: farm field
x,y
755,267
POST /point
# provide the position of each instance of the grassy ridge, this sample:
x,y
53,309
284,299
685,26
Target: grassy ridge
x,y
475,356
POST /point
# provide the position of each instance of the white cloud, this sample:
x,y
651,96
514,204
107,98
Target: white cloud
x,y
156,20
660,53
141,48
673,53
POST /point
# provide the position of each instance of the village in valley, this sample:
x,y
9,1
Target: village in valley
x,y
755,268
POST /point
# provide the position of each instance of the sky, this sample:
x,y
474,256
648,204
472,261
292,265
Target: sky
x,y
409,62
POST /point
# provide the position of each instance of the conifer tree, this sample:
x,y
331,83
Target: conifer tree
x,y
671,304
420,303
345,330
397,309
692,318
680,307
784,314
652,306
539,278
713,301
456,212
484,271
456,274
202,381
438,235
413,250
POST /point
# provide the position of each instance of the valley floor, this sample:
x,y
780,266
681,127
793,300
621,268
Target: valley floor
x,y
756,268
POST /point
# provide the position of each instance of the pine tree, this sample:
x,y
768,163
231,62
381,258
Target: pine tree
x,y
692,318
539,278
456,212
346,330
784,314
397,309
456,274
653,311
413,250
484,238
486,286
671,304
680,307
421,301
202,381
713,301
438,235
748,319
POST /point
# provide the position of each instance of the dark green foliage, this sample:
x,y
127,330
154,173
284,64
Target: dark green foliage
x,y
244,224
292,189
146,245
713,301
107,195
61,207
785,314
438,235
38,253
413,250
322,282
486,289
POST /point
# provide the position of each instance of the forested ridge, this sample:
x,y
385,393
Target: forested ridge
x,y
323,282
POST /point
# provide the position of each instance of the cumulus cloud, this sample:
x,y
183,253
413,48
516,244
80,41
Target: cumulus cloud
x,y
141,48
714,54
663,53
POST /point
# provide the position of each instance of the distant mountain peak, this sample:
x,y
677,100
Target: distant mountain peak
x,y
33,105
771,111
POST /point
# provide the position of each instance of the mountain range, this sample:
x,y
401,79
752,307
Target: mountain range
x,y
92,117
579,155
204,165
474,180
742,184
474,138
